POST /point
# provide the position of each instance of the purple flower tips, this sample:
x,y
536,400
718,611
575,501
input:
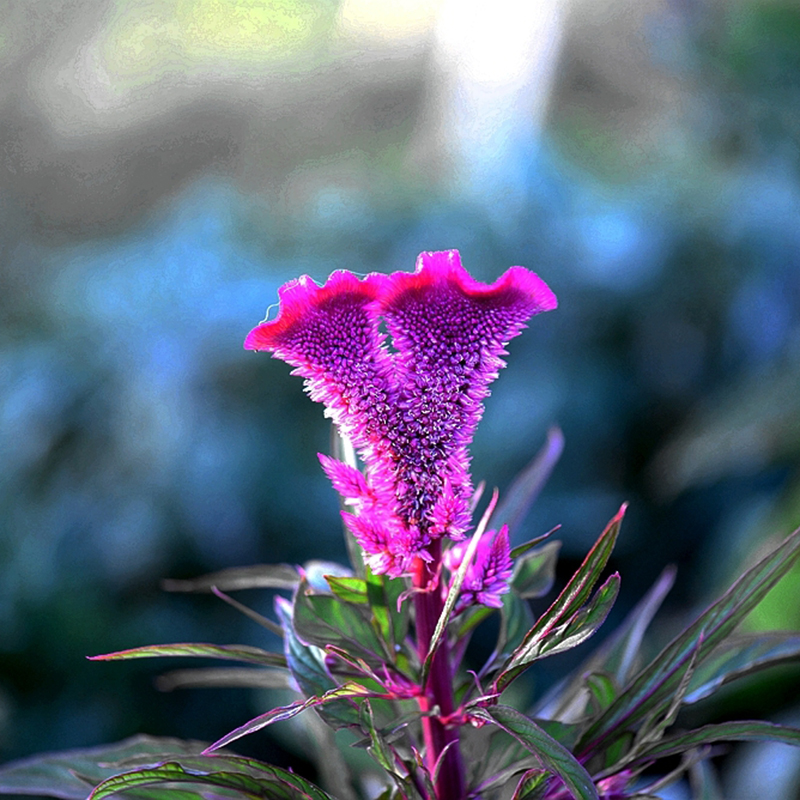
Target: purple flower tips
x,y
411,412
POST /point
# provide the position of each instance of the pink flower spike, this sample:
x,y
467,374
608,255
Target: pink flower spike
x,y
488,576
347,480
388,548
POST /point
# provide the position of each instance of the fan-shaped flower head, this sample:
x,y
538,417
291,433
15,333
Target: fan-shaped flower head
x,y
410,411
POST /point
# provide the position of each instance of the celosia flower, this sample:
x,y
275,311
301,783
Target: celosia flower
x,y
488,575
410,411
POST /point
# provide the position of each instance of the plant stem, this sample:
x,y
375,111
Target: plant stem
x,y
438,691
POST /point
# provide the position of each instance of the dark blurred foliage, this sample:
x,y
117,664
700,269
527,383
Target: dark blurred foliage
x,y
660,199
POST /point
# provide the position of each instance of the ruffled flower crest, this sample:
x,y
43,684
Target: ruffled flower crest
x,y
410,413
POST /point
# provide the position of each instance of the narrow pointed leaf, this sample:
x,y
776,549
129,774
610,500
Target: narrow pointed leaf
x,y
258,576
385,755
525,547
603,689
346,691
617,656
741,655
454,591
233,652
572,632
473,617
651,691
744,731
585,622
553,755
250,613
531,786
304,663
572,597
529,483
535,572
238,677
72,774
238,777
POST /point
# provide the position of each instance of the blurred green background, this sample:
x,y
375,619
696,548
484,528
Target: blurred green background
x,y
166,165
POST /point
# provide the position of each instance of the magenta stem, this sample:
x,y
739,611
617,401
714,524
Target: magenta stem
x,y
438,689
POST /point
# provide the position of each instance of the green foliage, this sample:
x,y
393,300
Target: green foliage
x,y
232,652
346,649
71,775
238,778
567,623
651,692
553,755
322,619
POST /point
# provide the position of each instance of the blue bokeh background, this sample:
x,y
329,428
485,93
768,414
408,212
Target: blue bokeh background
x,y
166,166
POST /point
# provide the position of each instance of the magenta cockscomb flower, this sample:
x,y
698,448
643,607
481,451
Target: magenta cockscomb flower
x,y
410,411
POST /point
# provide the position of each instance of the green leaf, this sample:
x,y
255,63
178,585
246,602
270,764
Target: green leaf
x,y
532,785
602,688
564,732
741,655
307,668
566,605
570,633
323,619
744,731
346,691
518,499
351,590
71,774
383,593
384,754
553,755
585,622
617,656
241,777
515,621
233,652
535,572
491,758
652,690
239,677
523,548
316,572
304,662
258,576
378,748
